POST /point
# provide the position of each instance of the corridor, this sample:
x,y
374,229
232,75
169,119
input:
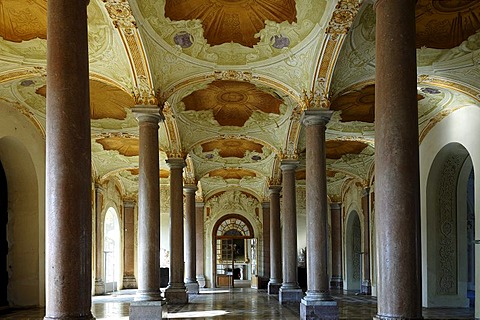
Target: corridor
x,y
238,303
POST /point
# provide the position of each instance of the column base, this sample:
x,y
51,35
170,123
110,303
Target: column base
x,y
273,287
86,317
99,287
380,317
318,309
176,295
288,295
336,283
192,287
148,295
145,310
366,288
201,281
129,282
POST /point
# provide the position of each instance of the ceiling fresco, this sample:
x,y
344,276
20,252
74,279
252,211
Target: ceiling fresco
x,y
225,21
232,102
233,78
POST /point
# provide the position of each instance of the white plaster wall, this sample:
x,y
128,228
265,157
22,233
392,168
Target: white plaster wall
x,y
22,152
461,126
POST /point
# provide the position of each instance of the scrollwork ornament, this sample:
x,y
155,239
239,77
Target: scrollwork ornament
x,y
342,17
120,13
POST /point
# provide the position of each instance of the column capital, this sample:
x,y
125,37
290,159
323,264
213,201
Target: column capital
x,y
336,205
129,203
190,188
275,189
365,191
288,164
199,204
315,117
265,204
148,113
176,163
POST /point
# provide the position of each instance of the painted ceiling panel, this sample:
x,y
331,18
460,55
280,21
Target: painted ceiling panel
x,y
232,102
232,147
20,22
236,21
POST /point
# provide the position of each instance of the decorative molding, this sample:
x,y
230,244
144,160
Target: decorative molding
x,y
343,16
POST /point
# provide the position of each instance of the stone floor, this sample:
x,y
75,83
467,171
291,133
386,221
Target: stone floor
x,y
238,303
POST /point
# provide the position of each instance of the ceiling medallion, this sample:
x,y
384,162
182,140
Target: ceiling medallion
x,y
183,39
280,41
236,21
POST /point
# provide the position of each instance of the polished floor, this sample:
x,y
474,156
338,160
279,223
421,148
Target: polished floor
x,y
237,303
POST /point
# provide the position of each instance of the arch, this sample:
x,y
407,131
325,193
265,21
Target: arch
x,y
446,219
111,249
353,246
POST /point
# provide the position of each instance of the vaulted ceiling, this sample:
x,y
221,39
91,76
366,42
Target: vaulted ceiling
x,y
233,77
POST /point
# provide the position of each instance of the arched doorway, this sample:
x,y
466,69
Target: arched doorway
x,y
3,237
111,250
450,228
234,245
353,258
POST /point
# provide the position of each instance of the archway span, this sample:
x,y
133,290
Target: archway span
x,y
111,249
353,246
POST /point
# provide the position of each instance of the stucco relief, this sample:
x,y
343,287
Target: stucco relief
x,y
234,201
446,226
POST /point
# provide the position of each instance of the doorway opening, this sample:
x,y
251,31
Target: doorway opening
x,y
353,258
111,250
235,252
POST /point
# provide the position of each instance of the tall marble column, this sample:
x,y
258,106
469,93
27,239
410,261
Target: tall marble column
x,y
199,206
264,263
68,220
275,241
148,298
176,292
99,267
129,281
366,283
397,213
290,291
336,281
317,303
190,240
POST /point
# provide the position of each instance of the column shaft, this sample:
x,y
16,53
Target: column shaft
x,y
366,284
129,281
190,240
199,244
176,291
275,241
336,282
316,205
68,164
264,263
148,205
99,283
290,291
397,214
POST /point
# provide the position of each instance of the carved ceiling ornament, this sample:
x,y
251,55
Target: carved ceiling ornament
x,y
233,201
342,17
123,19
236,21
20,22
232,102
445,24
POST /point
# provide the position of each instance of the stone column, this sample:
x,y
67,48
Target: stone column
x,y
275,242
148,302
199,244
397,213
366,283
317,303
290,291
129,281
190,240
264,263
68,220
99,260
176,292
336,282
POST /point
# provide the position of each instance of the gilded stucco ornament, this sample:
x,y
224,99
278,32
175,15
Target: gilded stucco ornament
x,y
342,17
123,19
